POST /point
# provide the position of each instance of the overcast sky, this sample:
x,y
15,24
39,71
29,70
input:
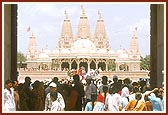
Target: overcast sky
x,y
120,20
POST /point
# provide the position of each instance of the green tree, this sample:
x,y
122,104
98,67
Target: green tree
x,y
20,59
145,63
112,65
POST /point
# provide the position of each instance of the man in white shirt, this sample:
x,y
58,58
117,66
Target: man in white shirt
x,y
54,100
112,100
9,102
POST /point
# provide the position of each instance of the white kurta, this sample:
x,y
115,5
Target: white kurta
x,y
112,102
57,105
9,102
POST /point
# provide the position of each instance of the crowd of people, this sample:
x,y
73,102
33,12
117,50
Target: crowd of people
x,y
74,95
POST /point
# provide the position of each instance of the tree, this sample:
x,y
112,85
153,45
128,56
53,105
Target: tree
x,y
20,59
123,67
145,63
112,65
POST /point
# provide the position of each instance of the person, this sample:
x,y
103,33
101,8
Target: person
x,y
149,104
137,104
112,100
16,95
76,95
147,89
134,91
94,105
104,83
161,95
155,99
9,102
103,89
54,100
90,88
38,97
102,96
59,86
127,83
115,83
25,94
124,99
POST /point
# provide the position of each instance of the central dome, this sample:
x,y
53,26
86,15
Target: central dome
x,y
83,44
43,55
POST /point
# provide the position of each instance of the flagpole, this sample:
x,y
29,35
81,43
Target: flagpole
x,y
29,30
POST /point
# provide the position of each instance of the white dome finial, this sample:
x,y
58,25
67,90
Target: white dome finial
x,y
83,10
66,15
99,13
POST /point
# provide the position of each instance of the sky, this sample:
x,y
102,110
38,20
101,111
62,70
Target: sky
x,y
45,21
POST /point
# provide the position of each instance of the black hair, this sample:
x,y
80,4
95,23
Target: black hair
x,y
104,80
54,95
76,78
93,99
27,78
135,89
8,81
138,96
115,78
55,79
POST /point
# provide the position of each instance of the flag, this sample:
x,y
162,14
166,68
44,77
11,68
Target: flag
x,y
82,6
65,12
28,29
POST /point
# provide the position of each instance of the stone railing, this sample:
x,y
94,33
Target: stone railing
x,y
43,75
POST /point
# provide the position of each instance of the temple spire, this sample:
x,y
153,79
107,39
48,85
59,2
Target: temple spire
x,y
32,52
134,46
83,26
100,37
66,15
66,37
135,32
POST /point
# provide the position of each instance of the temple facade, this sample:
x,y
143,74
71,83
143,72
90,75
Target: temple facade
x,y
84,50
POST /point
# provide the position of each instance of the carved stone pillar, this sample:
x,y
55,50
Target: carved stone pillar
x,y
107,62
96,62
117,66
88,62
60,63
70,62
78,62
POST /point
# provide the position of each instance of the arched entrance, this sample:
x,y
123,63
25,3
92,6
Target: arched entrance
x,y
124,67
112,65
65,65
92,65
83,65
102,66
43,66
74,65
